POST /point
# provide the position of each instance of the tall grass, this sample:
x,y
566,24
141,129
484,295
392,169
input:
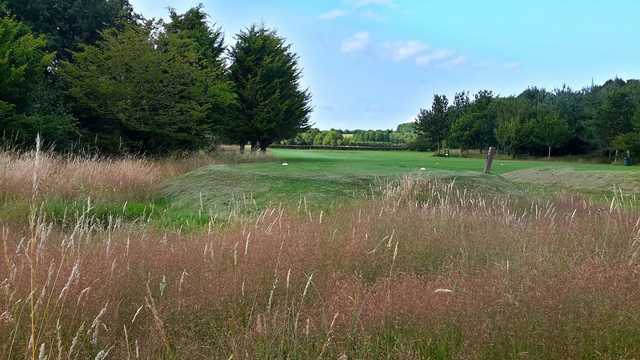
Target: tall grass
x,y
427,270
80,176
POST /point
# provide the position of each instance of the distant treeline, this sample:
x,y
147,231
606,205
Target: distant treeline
x,y
380,147
96,75
403,136
603,119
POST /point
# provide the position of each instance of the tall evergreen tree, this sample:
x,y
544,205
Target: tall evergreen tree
x,y
433,125
267,80
24,95
191,36
130,95
69,23
614,116
207,40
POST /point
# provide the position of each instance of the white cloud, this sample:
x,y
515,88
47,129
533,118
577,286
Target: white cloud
x,y
434,56
402,50
333,14
357,42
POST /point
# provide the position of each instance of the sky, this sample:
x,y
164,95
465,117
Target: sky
x,y
372,64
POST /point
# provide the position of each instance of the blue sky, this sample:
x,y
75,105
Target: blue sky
x,y
372,64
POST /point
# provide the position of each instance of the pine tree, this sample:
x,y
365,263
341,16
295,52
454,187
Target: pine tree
x,y
272,105
433,125
132,95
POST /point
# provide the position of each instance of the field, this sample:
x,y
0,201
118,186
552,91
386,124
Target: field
x,y
337,255
325,179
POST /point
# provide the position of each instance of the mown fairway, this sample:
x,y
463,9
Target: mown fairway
x,y
324,178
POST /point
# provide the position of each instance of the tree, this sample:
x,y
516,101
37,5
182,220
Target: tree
x,y
573,108
476,126
266,75
465,131
551,131
190,36
614,116
514,131
332,137
407,128
129,95
627,142
4,10
207,41
23,96
23,62
69,23
433,125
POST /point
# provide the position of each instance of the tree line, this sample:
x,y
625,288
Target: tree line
x,y
404,135
96,75
602,119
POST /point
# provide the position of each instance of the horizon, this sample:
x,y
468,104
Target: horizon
x,y
372,64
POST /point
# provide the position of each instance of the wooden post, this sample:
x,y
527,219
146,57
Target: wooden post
x,y
489,160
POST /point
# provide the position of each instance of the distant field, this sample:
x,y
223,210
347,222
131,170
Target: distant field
x,y
327,177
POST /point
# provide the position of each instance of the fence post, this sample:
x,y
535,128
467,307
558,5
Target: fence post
x,y
491,153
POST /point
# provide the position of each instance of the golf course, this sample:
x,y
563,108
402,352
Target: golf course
x,y
330,180
326,178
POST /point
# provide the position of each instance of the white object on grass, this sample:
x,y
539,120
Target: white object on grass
x,y
285,164
423,169
446,291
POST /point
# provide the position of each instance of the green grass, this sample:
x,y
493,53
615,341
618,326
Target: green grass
x,y
326,178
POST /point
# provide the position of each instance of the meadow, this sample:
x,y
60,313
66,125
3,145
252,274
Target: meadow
x,y
337,255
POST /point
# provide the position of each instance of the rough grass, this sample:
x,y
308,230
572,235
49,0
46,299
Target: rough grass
x,y
442,264
589,180
102,188
425,270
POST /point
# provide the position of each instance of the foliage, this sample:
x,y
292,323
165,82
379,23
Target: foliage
x,y
202,45
433,125
131,95
538,121
627,142
26,104
475,126
69,23
407,128
207,41
336,137
23,62
614,115
266,75
551,130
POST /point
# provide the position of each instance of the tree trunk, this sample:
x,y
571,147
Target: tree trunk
x,y
549,157
242,148
263,146
254,146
